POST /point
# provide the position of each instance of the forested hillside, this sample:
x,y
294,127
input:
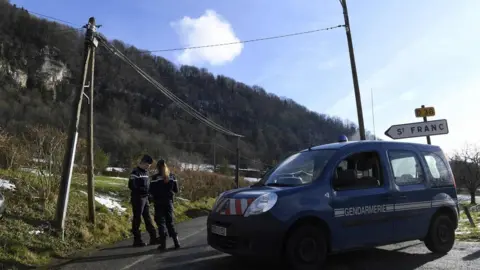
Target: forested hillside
x,y
40,68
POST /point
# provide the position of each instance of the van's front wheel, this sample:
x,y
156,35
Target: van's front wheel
x,y
441,235
306,248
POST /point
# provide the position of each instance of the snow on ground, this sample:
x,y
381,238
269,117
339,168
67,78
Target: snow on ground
x,y
251,179
5,184
115,169
463,198
109,202
196,167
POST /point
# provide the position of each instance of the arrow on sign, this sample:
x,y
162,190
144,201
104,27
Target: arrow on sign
x,y
419,129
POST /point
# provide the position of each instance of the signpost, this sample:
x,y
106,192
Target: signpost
x,y
425,112
418,129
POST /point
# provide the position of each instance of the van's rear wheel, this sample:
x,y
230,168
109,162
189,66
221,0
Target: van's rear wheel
x,y
306,248
441,235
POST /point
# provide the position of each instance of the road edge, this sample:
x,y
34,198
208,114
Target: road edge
x,y
58,262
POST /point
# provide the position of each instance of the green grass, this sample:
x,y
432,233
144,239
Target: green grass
x,y
27,211
465,231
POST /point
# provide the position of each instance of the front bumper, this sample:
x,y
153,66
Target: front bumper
x,y
253,236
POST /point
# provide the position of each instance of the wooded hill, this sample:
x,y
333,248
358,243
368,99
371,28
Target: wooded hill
x,y
40,68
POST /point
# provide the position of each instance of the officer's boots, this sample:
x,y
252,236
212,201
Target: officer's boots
x,y
137,242
162,241
175,241
153,238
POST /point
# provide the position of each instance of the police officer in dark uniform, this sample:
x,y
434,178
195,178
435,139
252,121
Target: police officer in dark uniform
x,y
139,183
163,187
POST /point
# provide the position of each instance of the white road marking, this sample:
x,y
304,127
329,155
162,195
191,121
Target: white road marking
x,y
146,257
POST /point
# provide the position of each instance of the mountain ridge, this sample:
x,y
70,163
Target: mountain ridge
x,y
40,68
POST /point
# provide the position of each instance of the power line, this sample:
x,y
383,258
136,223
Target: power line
x,y
187,108
51,18
209,45
243,41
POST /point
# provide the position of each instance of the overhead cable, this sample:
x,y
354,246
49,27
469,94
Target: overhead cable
x,y
244,41
187,108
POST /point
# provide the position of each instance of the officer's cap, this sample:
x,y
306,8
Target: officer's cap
x,y
147,159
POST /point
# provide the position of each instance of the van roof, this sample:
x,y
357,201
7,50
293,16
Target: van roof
x,y
338,145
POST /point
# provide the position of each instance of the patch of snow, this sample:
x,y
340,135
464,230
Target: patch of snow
x,y
182,199
109,202
196,167
251,179
115,169
36,232
461,232
5,184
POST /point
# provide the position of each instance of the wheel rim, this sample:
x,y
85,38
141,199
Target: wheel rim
x,y
308,250
443,233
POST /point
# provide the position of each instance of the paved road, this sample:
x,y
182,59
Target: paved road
x,y
196,254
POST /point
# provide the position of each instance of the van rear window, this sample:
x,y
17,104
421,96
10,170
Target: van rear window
x,y
438,169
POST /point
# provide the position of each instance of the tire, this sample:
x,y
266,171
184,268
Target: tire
x,y
441,235
296,250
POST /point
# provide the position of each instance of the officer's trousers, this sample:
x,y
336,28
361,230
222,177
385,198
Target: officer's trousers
x,y
164,218
141,208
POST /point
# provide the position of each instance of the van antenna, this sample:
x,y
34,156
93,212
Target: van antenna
x,y
373,115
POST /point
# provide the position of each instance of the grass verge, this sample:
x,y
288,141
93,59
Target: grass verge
x,y
465,231
27,237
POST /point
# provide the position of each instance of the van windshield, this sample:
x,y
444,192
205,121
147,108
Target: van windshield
x,y
298,169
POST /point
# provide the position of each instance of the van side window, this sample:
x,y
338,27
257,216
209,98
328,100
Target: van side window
x,y
406,167
358,171
438,169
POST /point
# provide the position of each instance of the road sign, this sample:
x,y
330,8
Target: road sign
x,y
419,129
425,112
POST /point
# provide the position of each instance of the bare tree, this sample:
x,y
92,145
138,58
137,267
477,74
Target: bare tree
x,y
12,151
47,147
466,169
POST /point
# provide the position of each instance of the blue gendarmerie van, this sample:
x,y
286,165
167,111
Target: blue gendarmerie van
x,y
338,197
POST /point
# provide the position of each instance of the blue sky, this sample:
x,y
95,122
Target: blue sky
x,y
410,52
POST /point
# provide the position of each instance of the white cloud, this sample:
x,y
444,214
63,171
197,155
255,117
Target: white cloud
x,y
210,28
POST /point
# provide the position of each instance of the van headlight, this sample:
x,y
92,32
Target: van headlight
x,y
262,204
215,205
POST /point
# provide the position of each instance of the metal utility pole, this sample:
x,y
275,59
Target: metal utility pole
x,y
237,162
354,70
425,120
69,158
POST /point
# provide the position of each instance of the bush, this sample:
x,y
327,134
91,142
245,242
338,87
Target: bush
x,y
195,185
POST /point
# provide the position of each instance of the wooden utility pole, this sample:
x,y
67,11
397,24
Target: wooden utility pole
x,y
237,162
214,157
356,87
90,155
69,158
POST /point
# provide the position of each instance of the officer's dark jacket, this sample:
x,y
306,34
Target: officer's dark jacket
x,y
139,183
163,192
